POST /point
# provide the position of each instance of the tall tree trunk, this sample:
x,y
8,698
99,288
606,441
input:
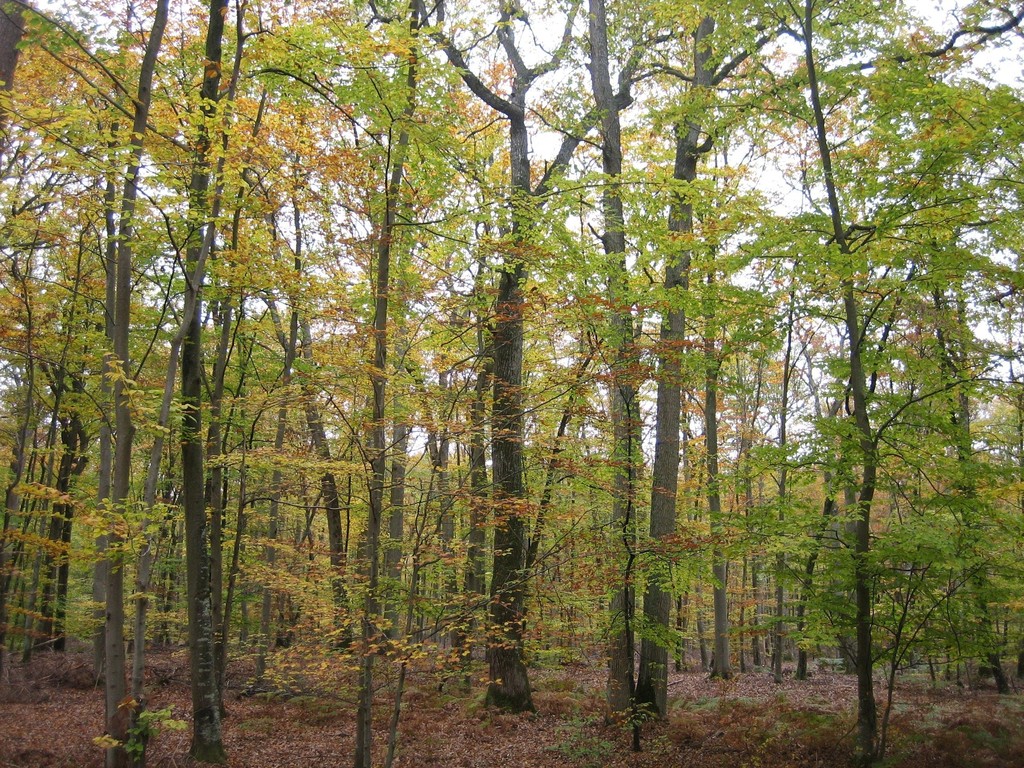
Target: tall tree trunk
x,y
652,684
207,743
828,510
952,359
624,407
12,29
779,630
106,443
115,684
40,514
749,409
378,454
475,579
289,341
1019,449
396,530
721,658
216,486
867,719
509,686
144,567
74,441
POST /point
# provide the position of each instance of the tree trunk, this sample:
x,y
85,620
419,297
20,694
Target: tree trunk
x,y
207,744
721,666
331,498
509,687
216,485
624,408
474,584
105,470
378,454
779,631
952,362
12,28
396,531
289,341
652,685
115,685
702,643
72,463
867,720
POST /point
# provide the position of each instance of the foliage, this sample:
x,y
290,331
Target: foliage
x,y
925,159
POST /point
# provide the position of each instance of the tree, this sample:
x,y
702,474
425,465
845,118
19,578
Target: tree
x,y
377,451
849,243
207,744
652,683
624,407
118,705
509,685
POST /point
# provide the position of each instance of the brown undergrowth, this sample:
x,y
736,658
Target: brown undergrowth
x,y
51,711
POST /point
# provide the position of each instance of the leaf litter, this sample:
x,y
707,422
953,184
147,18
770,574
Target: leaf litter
x,y
52,710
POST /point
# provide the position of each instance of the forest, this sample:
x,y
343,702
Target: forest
x,y
381,363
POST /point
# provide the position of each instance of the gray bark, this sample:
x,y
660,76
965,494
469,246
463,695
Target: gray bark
x,y
509,686
115,685
624,407
207,744
652,685
779,630
721,658
12,29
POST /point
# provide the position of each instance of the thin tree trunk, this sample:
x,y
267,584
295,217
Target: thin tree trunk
x,y
721,658
337,541
12,28
289,343
475,580
377,447
106,444
396,529
960,421
233,571
215,485
779,630
702,643
72,463
117,717
867,720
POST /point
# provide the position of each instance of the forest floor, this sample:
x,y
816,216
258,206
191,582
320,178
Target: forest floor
x,y
50,712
